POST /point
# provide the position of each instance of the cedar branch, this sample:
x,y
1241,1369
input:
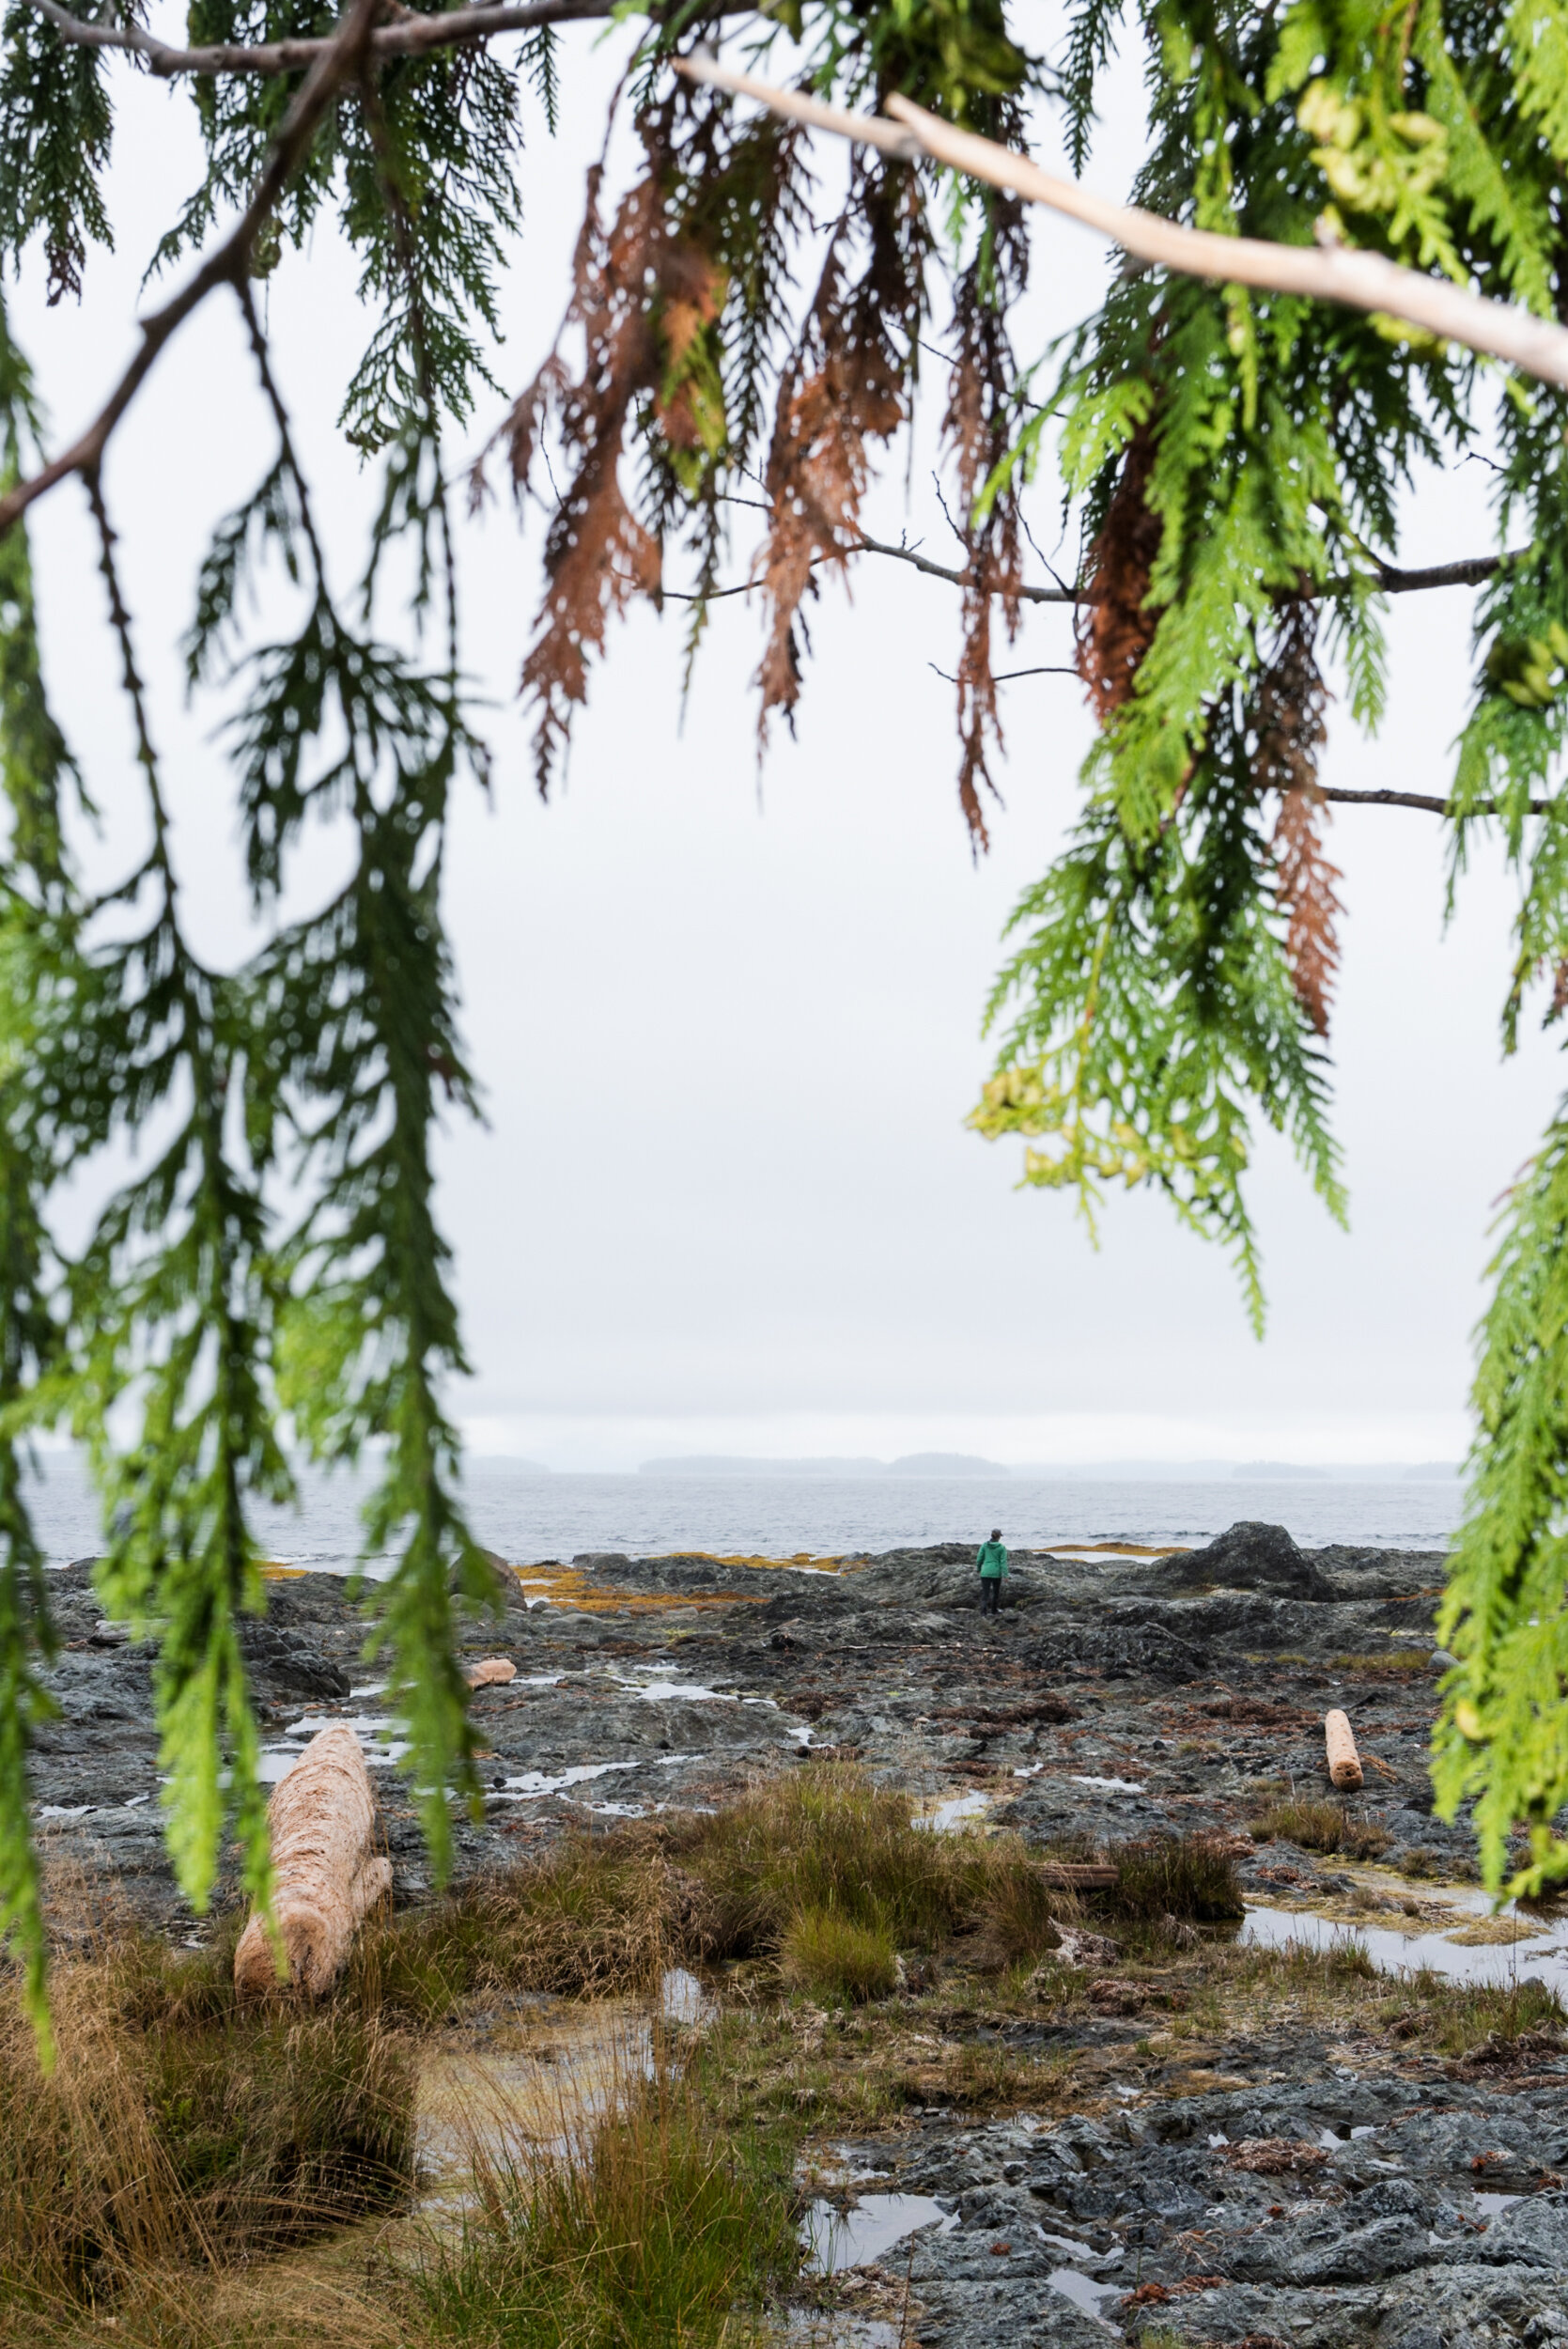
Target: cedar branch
x,y
1362,281
1384,578
227,265
411,36
1424,801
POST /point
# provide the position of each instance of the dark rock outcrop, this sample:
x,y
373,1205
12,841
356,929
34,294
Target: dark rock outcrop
x,y
1251,1556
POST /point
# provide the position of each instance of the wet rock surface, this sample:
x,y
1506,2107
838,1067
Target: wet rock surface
x,y
1367,2221
1110,1699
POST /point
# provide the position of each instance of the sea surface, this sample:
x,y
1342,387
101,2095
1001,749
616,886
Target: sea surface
x,y
527,1516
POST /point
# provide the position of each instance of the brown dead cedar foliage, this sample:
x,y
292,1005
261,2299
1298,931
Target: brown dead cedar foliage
x,y
843,388
678,306
1115,624
977,428
685,370
1290,733
597,555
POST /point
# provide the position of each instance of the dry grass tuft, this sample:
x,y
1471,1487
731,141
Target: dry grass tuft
x,y
175,2129
1315,1824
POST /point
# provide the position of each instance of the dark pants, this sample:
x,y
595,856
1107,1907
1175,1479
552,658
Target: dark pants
x,y
990,1594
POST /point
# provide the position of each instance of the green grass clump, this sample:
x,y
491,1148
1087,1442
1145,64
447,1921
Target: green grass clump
x,y
1315,1824
832,1956
827,1840
659,2230
1185,1876
606,1913
1458,2017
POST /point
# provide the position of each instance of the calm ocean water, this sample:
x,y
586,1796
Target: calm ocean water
x,y
526,1517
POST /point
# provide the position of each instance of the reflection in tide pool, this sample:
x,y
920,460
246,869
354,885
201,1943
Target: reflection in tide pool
x,y
836,2238
952,1814
1082,2290
1537,1958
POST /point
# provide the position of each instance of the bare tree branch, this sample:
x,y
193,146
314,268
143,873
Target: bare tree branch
x,y
1385,579
227,265
411,36
1424,801
1470,572
1362,281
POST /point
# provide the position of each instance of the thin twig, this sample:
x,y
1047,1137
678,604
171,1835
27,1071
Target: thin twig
x,y
1362,281
280,418
135,691
226,265
1005,676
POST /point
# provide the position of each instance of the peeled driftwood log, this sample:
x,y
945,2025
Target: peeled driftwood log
x,y
1082,1875
1345,1763
326,1875
491,1669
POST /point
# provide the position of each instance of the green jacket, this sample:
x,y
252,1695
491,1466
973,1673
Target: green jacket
x,y
992,1561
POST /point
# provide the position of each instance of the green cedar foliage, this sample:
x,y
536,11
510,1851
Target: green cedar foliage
x,y
1235,458
1233,461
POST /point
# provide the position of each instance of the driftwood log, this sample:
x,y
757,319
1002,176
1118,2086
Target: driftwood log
x,y
326,1875
1345,1763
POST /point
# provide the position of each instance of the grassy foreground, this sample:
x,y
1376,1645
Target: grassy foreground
x,y
194,2174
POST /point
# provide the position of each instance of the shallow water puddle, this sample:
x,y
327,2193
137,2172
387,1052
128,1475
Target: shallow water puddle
x,y
1082,2290
662,1691
952,1814
1534,1957
376,1733
533,2086
538,2082
529,1785
834,2239
683,1999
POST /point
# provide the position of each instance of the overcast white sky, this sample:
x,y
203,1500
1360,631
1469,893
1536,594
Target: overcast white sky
x,y
729,1031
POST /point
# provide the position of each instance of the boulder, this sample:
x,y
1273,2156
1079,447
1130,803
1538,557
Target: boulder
x,y
1253,1557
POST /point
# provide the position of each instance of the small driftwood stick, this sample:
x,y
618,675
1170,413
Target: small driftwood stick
x,y
491,1669
1345,1763
322,1822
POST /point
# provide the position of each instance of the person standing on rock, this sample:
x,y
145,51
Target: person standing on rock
x,y
992,1562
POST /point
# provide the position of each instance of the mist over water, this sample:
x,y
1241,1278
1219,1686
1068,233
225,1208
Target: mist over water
x,y
528,1516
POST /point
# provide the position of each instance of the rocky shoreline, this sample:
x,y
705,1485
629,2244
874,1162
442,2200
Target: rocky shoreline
x,y
1114,1697
1301,2181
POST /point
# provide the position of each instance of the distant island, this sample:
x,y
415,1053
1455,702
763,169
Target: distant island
x,y
912,1464
971,1464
